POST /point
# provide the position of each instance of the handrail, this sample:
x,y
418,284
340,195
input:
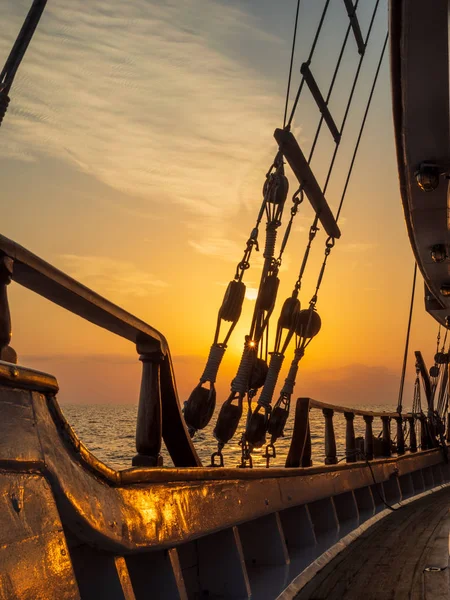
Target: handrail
x,y
356,411
299,454
159,407
46,280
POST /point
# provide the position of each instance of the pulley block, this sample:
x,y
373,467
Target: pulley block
x,y
277,422
276,187
255,431
228,419
441,358
232,301
258,374
199,407
434,371
308,323
268,293
289,313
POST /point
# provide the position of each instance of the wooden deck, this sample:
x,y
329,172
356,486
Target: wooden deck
x,y
390,559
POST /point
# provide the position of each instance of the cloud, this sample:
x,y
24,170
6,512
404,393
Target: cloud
x,y
106,87
111,276
221,247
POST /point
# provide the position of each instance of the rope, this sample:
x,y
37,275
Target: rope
x,y
330,90
289,382
271,239
405,355
291,64
313,47
241,381
21,44
276,362
330,242
366,112
17,53
216,354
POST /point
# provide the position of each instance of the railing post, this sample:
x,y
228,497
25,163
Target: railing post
x,y
330,440
412,435
368,438
149,420
307,450
423,432
350,442
300,448
400,436
386,436
6,270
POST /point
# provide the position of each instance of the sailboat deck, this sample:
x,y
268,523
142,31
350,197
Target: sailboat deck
x,y
390,559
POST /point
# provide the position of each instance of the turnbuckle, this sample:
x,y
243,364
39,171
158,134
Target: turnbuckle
x,y
270,453
246,455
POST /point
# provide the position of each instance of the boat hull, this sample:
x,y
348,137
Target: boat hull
x,y
230,532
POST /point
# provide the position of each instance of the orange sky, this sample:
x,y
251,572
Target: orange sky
x,y
134,154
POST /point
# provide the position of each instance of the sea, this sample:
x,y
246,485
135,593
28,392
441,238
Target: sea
x,y
109,433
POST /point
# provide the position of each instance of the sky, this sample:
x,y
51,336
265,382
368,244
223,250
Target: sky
x,y
133,157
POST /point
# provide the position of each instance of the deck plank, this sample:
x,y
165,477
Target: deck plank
x,y
387,561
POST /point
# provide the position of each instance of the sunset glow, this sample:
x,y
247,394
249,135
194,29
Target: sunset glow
x,y
133,158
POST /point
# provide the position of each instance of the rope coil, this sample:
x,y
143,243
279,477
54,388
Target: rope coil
x,y
289,382
271,239
240,383
215,357
276,362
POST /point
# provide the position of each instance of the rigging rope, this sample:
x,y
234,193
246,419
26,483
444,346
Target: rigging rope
x,y
408,332
18,52
311,54
291,64
282,404
232,409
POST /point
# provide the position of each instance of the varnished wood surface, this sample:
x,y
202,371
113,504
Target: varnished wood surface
x,y
387,562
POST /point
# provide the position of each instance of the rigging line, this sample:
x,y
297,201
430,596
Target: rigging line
x,y
313,47
405,355
291,64
330,90
330,242
355,81
21,44
366,112
319,127
360,131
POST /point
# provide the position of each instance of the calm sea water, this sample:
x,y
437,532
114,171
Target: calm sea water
x,y
108,432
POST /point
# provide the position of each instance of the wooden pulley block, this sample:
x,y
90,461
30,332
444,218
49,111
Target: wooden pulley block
x,y
289,313
232,301
199,407
434,371
268,293
258,374
441,358
277,422
308,323
279,189
228,420
255,432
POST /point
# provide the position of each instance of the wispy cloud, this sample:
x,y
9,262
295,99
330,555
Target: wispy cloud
x,y
105,86
110,276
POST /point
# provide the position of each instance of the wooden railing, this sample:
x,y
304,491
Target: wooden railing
x,y
368,447
159,415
